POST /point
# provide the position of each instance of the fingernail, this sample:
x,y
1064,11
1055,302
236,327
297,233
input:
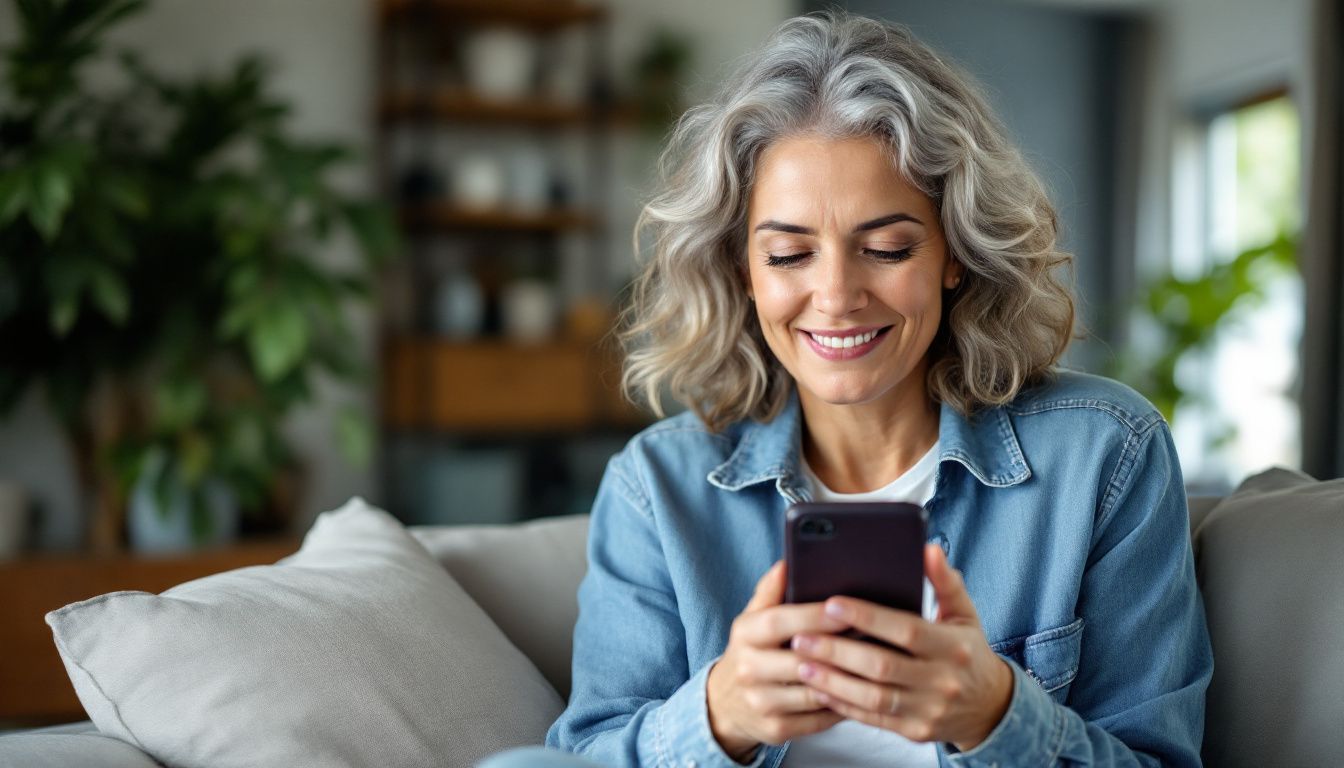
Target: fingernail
x,y
822,698
835,610
807,671
804,644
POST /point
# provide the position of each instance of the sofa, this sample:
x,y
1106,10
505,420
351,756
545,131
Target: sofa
x,y
1270,561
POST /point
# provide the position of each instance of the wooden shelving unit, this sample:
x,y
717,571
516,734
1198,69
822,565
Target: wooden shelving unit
x,y
490,388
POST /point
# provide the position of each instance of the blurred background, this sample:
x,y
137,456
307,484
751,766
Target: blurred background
x,y
258,256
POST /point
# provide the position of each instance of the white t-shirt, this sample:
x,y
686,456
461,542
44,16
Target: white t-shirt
x,y
851,744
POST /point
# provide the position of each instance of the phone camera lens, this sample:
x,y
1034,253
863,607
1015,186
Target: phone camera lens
x,y
816,528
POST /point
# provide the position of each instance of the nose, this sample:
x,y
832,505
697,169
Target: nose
x,y
840,287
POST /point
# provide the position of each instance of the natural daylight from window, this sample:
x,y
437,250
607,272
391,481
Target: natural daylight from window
x,y
1250,190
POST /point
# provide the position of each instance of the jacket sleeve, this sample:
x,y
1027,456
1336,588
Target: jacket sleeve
x,y
1138,698
634,701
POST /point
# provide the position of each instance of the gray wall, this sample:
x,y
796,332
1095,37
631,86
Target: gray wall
x,y
1053,76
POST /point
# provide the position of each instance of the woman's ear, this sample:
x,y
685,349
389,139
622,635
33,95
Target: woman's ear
x,y
953,274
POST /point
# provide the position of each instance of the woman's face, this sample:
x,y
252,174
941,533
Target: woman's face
x,y
847,267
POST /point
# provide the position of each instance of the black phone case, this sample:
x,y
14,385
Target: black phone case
x,y
874,551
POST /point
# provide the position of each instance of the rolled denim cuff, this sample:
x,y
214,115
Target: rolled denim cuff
x,y
1029,734
681,734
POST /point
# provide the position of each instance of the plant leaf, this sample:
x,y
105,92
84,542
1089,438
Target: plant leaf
x,y
49,195
236,319
202,524
64,313
110,294
66,275
178,403
375,230
126,194
13,194
194,453
278,340
354,435
165,483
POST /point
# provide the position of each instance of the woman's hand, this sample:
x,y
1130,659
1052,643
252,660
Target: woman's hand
x,y
754,692
952,688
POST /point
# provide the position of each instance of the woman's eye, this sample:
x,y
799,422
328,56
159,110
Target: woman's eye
x,y
900,255
784,260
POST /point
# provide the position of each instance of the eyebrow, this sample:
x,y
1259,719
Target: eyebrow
x,y
881,221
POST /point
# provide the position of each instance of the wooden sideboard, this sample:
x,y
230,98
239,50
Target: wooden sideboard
x,y
34,687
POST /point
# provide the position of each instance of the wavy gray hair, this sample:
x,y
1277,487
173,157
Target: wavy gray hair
x,y
841,76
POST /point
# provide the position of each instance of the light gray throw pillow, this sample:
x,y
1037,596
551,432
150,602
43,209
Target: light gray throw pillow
x,y
357,650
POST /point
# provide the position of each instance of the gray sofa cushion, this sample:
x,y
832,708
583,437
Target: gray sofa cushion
x,y
1200,507
525,577
359,649
75,745
1271,569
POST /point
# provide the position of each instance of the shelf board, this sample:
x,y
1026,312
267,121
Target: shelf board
x,y
457,105
448,217
537,14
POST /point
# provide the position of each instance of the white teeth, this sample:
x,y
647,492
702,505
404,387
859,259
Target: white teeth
x,y
844,342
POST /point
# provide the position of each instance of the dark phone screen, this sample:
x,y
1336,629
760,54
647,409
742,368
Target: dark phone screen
x,y
871,550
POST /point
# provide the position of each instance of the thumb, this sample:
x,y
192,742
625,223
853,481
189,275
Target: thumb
x,y
769,590
953,599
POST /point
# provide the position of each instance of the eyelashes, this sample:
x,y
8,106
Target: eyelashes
x,y
772,260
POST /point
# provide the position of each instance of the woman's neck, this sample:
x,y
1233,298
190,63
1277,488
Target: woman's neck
x,y
865,446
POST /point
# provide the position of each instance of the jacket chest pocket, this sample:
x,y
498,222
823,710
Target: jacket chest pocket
x,y
1049,657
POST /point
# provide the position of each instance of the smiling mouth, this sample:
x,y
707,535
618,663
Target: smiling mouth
x,y
834,342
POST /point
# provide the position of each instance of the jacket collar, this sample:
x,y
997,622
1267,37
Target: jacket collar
x,y
985,444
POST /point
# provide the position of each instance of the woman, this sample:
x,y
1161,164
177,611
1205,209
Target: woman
x,y
854,289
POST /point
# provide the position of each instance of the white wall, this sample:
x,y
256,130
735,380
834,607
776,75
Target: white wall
x,y
324,56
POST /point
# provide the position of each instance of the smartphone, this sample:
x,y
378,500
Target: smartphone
x,y
870,550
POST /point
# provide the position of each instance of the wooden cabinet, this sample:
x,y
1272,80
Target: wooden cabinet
x,y
34,687
501,388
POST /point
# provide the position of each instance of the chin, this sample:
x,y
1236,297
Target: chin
x,y
842,392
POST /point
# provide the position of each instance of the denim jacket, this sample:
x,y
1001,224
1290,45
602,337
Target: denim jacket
x,y
1064,510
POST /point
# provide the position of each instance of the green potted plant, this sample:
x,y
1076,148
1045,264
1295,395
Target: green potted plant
x,y
1183,316
160,276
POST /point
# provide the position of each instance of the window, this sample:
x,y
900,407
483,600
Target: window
x,y
1238,190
